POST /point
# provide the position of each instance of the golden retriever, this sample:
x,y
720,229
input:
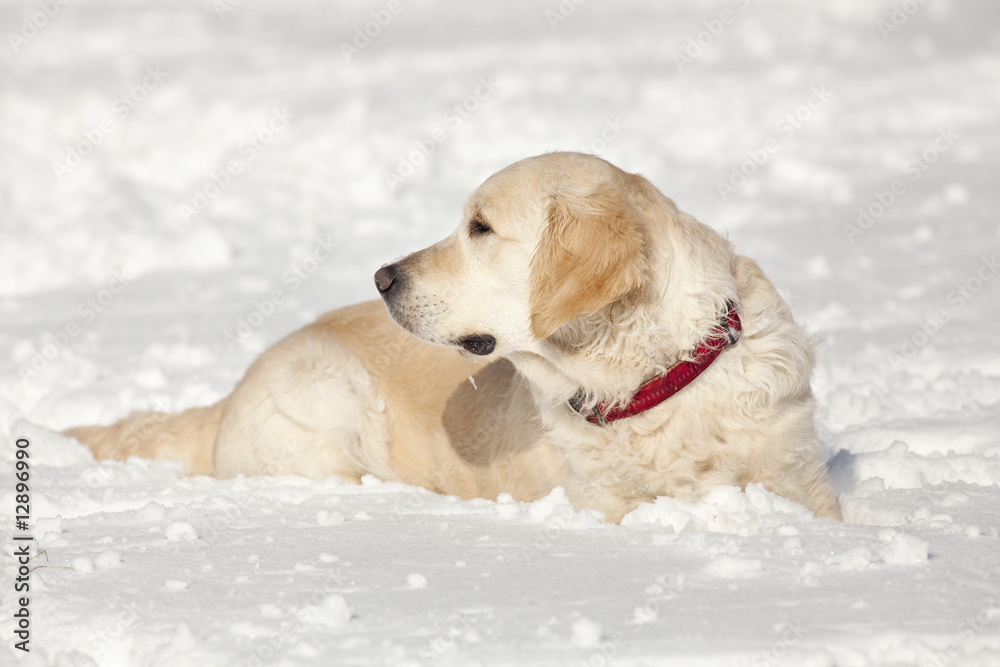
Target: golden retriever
x,y
576,330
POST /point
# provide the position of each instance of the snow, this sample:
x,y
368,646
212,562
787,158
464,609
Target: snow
x,y
234,186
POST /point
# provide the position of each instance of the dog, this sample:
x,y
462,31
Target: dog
x,y
577,330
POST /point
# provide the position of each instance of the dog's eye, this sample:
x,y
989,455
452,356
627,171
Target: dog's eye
x,y
477,227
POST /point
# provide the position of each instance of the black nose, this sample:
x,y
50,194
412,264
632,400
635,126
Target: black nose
x,y
385,278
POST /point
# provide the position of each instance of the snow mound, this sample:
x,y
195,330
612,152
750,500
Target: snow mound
x,y
553,511
725,509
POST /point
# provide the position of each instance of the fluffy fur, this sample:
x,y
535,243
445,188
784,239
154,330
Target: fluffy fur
x,y
581,276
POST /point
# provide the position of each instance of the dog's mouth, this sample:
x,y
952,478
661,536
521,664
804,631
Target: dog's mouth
x,y
480,344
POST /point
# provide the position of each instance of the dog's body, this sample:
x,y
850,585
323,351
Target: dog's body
x,y
576,280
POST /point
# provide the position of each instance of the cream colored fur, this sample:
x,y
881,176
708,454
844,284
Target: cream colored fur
x,y
587,278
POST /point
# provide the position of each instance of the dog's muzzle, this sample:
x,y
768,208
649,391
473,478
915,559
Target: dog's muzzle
x,y
390,283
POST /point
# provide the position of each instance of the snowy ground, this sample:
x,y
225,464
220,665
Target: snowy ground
x,y
172,170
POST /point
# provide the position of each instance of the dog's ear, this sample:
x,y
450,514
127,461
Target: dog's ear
x,y
591,254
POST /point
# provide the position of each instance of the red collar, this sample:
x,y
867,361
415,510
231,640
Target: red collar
x,y
662,387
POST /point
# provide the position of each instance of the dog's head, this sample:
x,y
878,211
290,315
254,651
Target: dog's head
x,y
545,241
